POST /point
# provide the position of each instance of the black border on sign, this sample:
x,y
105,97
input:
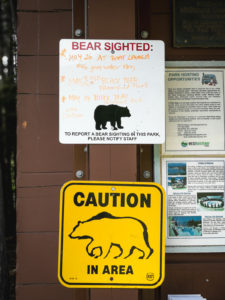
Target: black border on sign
x,y
111,284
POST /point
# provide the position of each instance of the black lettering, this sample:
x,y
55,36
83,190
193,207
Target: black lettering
x,y
135,200
114,269
91,200
100,200
75,200
122,270
122,200
129,270
114,195
106,270
91,269
117,199
146,200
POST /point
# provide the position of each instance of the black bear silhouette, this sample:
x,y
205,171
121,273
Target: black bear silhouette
x,y
105,231
110,113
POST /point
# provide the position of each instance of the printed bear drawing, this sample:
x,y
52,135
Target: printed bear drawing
x,y
106,231
110,113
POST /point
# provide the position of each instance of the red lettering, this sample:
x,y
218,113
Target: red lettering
x,y
82,45
117,46
146,47
89,46
107,46
111,46
75,46
97,46
125,46
86,46
139,47
132,46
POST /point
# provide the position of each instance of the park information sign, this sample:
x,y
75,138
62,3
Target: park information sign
x,y
111,235
111,92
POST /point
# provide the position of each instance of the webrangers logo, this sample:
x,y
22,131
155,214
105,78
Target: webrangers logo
x,y
186,144
111,234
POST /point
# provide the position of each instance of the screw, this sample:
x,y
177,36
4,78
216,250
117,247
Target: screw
x,y
79,174
147,174
113,188
144,34
86,149
78,32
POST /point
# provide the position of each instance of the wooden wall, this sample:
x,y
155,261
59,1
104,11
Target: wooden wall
x,y
44,165
161,28
187,273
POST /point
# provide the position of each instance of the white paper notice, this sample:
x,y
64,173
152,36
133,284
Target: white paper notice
x,y
195,112
111,92
195,201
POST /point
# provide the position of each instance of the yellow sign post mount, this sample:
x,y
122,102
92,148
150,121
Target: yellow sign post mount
x,y
111,234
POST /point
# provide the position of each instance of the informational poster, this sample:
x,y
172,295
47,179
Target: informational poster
x,y
194,112
111,92
195,212
111,235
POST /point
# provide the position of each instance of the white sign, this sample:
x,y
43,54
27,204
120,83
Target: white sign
x,y
195,201
195,111
111,92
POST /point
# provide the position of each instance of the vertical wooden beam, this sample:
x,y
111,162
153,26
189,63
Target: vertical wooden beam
x,y
145,158
145,152
81,158
143,8
113,162
112,20
78,19
81,152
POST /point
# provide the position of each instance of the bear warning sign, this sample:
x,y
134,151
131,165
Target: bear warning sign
x,y
111,92
111,234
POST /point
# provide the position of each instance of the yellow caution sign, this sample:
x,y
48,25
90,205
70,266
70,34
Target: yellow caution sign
x,y
111,234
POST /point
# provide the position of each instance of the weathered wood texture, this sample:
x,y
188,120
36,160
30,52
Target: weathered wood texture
x,y
3,257
43,164
160,28
114,20
186,273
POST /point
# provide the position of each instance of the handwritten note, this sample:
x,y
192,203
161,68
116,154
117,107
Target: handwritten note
x,y
111,87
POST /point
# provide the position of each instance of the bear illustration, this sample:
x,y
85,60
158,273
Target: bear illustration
x,y
106,231
110,113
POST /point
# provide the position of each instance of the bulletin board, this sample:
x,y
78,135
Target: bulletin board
x,y
191,163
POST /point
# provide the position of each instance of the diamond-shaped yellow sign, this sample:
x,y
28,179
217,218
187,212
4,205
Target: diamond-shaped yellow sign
x,y
111,234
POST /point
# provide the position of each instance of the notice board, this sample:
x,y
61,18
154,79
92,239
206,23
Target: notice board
x,y
192,158
195,111
111,92
195,201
